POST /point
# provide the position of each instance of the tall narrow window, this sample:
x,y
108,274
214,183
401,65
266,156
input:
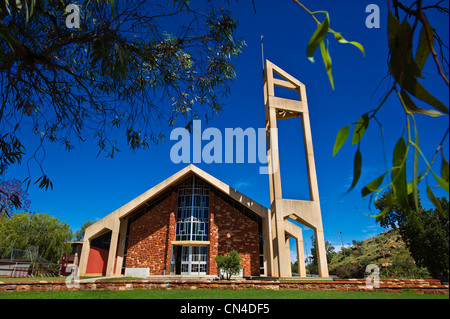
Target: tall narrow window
x,y
193,211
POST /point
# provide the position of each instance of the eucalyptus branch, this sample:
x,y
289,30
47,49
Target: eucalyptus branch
x,y
440,147
419,15
433,52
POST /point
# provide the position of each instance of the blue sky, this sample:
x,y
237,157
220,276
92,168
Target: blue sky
x,y
87,187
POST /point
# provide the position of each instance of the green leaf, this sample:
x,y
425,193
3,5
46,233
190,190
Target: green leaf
x,y
413,108
357,164
444,169
341,137
423,49
399,154
442,183
327,61
390,202
360,128
9,38
434,200
402,64
317,38
400,46
416,89
29,8
416,168
372,186
399,182
112,4
341,39
410,187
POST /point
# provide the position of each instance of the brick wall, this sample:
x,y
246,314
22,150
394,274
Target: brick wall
x,y
427,286
231,229
150,237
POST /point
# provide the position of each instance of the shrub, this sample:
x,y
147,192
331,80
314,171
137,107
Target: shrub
x,y
350,271
357,243
405,267
347,251
230,263
357,251
367,261
294,268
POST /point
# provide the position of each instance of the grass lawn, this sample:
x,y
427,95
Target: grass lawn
x,y
216,294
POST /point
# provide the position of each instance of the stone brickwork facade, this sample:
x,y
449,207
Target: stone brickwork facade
x,y
151,236
231,229
423,286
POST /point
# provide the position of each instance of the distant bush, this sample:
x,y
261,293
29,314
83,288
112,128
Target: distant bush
x,y
357,243
367,261
404,267
347,251
350,271
377,240
357,251
294,268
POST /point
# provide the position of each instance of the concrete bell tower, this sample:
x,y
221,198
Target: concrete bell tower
x,y
306,212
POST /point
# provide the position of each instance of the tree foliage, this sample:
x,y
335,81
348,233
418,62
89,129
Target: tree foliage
x,y
320,39
79,234
230,263
132,67
412,41
313,266
428,240
12,197
45,235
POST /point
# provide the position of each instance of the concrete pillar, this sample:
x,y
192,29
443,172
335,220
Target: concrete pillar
x,y
267,242
112,251
121,246
321,253
301,258
287,265
284,254
294,231
275,248
84,256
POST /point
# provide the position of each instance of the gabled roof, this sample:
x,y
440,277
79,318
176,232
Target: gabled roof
x,y
176,179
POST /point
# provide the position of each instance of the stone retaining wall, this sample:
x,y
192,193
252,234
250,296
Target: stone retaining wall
x,y
427,286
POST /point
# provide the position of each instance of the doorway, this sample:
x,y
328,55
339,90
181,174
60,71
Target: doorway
x,y
189,260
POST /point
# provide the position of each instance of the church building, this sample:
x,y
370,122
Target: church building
x,y
177,228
